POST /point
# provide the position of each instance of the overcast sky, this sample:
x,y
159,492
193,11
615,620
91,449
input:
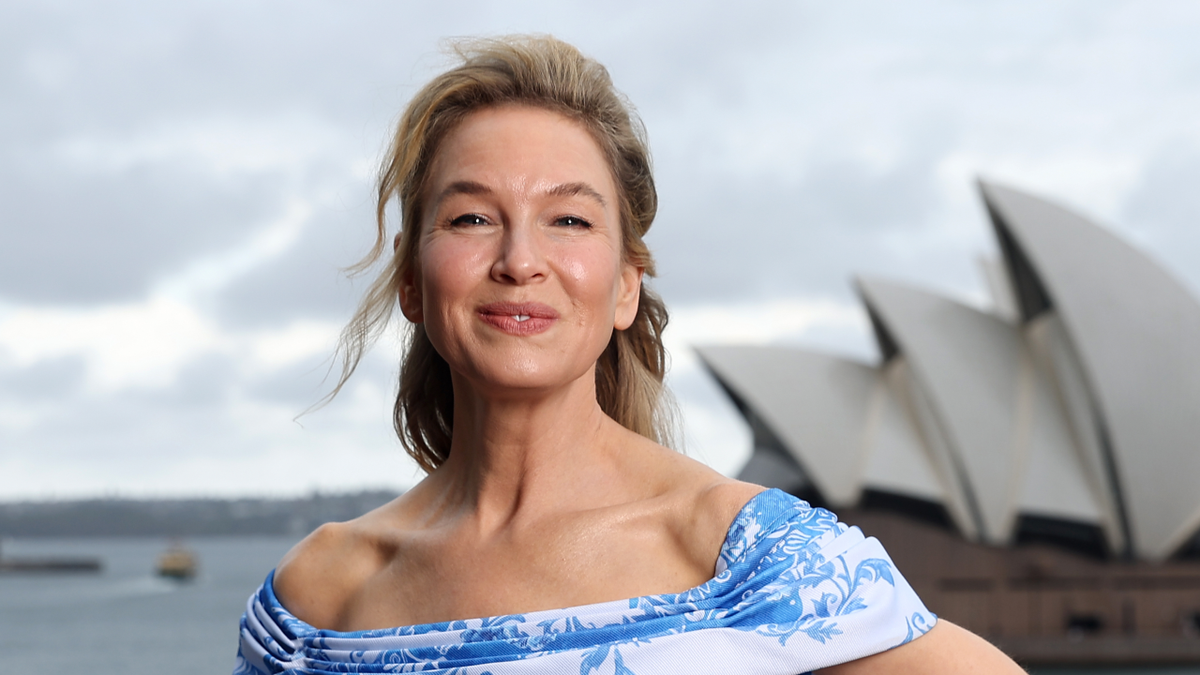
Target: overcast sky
x,y
181,182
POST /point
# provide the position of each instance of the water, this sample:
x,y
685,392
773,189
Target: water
x,y
127,621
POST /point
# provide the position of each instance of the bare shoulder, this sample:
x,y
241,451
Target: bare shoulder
x,y
944,650
719,502
711,512
317,578
699,503
704,504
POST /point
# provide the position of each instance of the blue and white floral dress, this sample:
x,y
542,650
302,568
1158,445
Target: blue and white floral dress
x,y
795,591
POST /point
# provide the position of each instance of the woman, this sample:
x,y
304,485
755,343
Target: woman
x,y
531,394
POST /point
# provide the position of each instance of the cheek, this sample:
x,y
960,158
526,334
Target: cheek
x,y
592,278
449,271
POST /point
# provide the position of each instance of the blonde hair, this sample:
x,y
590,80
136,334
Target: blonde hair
x,y
547,73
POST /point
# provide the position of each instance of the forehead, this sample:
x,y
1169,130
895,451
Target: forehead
x,y
523,148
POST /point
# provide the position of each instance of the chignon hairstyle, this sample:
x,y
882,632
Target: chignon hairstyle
x,y
546,73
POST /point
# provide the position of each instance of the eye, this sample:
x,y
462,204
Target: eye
x,y
468,219
572,221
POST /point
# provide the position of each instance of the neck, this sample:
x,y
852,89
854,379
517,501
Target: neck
x,y
513,456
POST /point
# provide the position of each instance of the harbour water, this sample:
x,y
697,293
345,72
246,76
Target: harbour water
x,y
126,620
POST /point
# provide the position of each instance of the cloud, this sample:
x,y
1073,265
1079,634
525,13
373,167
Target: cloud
x,y
141,444
1162,212
763,322
223,147
158,398
122,345
216,272
182,183
145,345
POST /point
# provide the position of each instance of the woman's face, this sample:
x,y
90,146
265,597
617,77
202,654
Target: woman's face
x,y
521,278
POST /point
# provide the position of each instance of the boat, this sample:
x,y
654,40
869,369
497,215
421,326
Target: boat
x,y
58,565
50,564
177,562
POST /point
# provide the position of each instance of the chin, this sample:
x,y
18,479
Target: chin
x,y
528,380
523,376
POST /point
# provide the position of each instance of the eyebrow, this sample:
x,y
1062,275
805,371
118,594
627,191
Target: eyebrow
x,y
576,190
463,187
470,187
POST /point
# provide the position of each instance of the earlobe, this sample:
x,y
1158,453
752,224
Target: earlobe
x,y
628,296
410,301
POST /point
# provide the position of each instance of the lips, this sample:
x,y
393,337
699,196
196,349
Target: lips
x,y
518,318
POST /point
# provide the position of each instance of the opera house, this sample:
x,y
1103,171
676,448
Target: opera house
x,y
1033,468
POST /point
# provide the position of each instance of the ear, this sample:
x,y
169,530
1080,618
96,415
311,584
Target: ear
x,y
411,302
629,291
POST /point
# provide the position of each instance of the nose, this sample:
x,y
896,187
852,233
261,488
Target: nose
x,y
520,259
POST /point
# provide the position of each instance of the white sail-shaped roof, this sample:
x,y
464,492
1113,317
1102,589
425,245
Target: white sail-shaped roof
x,y
815,404
1073,405
1065,392
1136,331
848,426
987,396
905,454
896,457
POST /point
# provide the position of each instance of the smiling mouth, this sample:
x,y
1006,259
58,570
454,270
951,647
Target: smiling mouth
x,y
518,318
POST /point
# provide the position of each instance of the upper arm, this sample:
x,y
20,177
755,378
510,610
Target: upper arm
x,y
945,650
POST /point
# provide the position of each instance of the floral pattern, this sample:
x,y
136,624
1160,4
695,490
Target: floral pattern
x,y
795,591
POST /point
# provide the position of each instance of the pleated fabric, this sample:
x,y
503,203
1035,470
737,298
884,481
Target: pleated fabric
x,y
795,591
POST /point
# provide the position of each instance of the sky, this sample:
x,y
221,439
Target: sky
x,y
181,185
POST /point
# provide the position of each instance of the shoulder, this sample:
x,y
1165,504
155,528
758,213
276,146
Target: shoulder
x,y
731,518
706,500
693,501
717,504
317,578
710,512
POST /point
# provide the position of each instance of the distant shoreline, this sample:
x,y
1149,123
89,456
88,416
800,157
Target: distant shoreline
x,y
124,517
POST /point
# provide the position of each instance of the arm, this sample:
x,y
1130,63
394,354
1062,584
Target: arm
x,y
944,650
